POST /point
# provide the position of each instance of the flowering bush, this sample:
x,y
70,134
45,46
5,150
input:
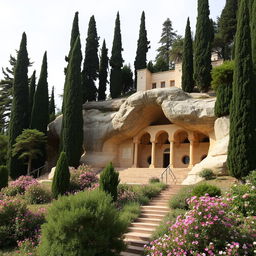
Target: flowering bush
x,y
17,222
36,194
207,229
125,195
28,247
82,178
22,183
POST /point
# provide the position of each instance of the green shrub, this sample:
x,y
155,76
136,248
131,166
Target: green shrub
x,y
154,180
204,188
61,178
109,180
83,224
129,213
3,149
222,79
169,219
179,201
11,191
251,178
37,194
3,176
207,174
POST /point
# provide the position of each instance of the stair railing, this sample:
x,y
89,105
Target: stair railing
x,y
166,172
37,171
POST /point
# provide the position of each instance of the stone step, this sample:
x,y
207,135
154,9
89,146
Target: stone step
x,y
155,211
135,249
155,207
149,220
135,242
144,225
129,254
152,216
138,236
141,230
158,203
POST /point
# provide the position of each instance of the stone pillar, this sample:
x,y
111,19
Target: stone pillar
x,y
153,154
191,154
136,151
171,153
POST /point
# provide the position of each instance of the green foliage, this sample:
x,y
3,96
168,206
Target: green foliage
x,y
103,72
168,220
127,80
52,106
241,150
167,37
29,146
3,176
116,62
142,48
109,180
154,180
72,123
176,52
3,149
37,194
202,47
61,178
129,213
204,188
160,65
187,62
91,63
11,191
253,34
207,174
251,178
179,201
20,107
32,89
83,224
40,111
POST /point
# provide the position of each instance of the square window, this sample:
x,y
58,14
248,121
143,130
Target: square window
x,y
153,85
172,83
162,84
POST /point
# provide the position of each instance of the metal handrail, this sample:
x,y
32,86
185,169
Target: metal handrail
x,y
37,171
169,171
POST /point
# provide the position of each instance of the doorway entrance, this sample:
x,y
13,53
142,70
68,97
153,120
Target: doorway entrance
x,y
166,158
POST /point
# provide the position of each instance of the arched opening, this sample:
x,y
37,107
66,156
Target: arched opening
x,y
144,150
202,147
162,149
166,158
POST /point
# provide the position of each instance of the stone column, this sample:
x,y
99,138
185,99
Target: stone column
x,y
153,154
136,151
171,153
191,154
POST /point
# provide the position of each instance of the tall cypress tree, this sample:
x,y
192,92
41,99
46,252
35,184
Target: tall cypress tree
x,y
142,48
52,106
32,88
72,123
241,149
187,63
253,33
91,63
116,62
103,72
20,107
202,50
40,110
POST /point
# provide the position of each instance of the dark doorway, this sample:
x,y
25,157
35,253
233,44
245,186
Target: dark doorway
x,y
166,160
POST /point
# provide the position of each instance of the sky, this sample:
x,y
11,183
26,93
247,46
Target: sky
x,y
48,27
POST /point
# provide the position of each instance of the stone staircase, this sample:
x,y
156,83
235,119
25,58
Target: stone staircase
x,y
140,231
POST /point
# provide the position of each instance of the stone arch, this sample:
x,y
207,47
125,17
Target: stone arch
x,y
144,149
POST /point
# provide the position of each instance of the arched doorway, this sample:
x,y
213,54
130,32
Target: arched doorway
x,y
144,153
166,158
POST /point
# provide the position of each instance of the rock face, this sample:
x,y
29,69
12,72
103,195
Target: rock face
x,y
124,118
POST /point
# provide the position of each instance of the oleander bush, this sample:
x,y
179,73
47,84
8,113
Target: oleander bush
x,y
208,228
205,188
207,174
17,223
22,183
86,223
37,194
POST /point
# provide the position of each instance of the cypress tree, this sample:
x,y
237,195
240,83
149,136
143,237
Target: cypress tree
x,y
61,178
253,34
127,80
4,176
52,106
91,63
241,150
20,107
103,72
202,50
72,123
142,48
187,63
116,62
32,88
40,110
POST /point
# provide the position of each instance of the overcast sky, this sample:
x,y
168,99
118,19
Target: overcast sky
x,y
48,27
